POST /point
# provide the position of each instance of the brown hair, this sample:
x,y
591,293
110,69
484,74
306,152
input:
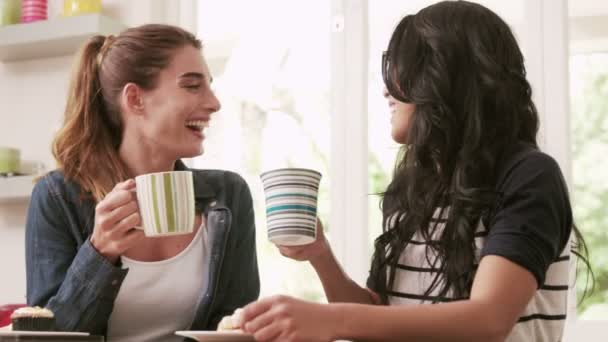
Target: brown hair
x,y
86,147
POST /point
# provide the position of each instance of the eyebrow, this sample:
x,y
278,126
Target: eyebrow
x,y
198,75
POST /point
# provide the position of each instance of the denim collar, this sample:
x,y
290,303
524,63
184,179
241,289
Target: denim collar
x,y
203,191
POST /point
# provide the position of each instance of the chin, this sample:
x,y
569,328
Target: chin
x,y
191,153
395,136
398,137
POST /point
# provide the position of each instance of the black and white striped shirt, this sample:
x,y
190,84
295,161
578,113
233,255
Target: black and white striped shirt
x,y
531,227
542,320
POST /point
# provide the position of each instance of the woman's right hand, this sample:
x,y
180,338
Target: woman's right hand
x,y
311,252
115,218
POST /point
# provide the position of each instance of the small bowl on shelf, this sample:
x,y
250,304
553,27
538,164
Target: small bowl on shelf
x,y
10,160
10,12
79,7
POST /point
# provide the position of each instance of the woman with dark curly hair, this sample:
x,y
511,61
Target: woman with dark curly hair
x,y
476,218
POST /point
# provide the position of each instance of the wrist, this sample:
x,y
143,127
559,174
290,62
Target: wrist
x,y
324,256
109,257
337,320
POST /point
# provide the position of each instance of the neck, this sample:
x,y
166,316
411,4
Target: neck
x,y
140,158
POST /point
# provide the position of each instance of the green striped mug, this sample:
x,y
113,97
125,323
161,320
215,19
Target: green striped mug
x,y
166,203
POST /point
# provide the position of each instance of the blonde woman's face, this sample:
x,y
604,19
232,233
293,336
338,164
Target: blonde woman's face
x,y
401,116
178,110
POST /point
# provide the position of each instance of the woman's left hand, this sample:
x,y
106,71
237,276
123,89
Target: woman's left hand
x,y
287,319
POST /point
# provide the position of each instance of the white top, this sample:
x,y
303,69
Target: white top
x,y
543,318
158,298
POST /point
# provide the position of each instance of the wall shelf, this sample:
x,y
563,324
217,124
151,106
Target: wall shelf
x,y
52,38
16,189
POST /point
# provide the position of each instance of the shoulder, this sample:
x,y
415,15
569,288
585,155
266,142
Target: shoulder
x,y
55,184
220,179
533,186
52,183
536,159
530,166
227,186
49,195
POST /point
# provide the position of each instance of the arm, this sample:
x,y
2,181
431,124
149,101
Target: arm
x,y
500,293
75,282
338,286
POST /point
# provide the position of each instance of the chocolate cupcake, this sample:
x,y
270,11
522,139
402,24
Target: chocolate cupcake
x,y
33,319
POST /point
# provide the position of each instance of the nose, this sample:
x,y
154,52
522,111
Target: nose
x,y
211,102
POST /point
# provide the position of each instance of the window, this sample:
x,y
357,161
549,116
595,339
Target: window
x,y
270,63
589,142
589,125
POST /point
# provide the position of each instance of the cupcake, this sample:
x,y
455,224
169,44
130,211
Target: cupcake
x,y
33,319
229,323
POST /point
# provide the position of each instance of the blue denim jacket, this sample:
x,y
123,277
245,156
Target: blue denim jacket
x,y
68,276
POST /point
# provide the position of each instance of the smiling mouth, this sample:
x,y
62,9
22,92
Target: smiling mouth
x,y
197,125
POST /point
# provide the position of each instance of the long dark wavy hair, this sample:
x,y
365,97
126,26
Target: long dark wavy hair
x,y
461,66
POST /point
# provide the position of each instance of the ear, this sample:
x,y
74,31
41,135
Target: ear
x,y
132,99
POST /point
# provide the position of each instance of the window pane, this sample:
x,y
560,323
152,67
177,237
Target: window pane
x,y
589,131
383,17
270,63
588,35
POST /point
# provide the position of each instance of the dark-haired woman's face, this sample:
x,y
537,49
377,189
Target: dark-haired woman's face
x,y
401,114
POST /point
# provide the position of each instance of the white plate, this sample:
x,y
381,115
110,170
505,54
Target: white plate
x,y
216,336
42,333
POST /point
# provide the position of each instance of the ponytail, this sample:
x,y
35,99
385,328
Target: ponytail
x,y
86,148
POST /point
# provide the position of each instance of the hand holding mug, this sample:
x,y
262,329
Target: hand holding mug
x,y
116,217
310,251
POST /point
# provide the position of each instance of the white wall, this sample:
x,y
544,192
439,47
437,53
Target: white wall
x,y
32,98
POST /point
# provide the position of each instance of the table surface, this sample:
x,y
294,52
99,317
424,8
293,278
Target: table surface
x,y
25,338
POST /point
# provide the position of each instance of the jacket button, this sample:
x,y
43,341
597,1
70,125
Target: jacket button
x,y
114,282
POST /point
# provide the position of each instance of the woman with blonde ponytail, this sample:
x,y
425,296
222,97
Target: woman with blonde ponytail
x,y
137,104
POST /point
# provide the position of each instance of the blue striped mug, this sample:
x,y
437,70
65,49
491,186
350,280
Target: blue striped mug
x,y
166,203
291,205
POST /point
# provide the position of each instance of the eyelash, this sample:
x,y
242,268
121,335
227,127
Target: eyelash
x,y
196,87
